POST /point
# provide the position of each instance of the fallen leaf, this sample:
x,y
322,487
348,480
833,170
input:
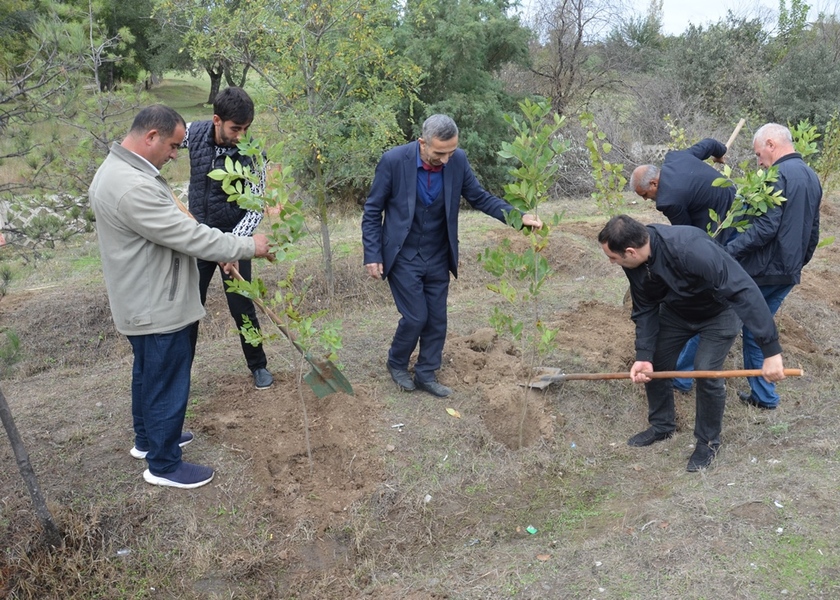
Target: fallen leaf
x,y
454,413
543,557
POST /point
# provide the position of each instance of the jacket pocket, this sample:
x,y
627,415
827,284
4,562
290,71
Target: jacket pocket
x,y
176,272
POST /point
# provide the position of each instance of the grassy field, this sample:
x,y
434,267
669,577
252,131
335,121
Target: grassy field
x,y
403,500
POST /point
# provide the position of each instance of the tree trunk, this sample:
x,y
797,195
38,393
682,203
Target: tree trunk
x,y
52,534
323,215
215,82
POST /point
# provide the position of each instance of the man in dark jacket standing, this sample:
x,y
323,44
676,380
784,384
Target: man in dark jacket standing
x,y
778,244
210,143
684,284
410,237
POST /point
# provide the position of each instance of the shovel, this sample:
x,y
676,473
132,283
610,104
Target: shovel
x,y
735,133
325,378
548,375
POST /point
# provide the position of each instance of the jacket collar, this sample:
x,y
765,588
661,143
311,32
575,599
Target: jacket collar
x,y
133,159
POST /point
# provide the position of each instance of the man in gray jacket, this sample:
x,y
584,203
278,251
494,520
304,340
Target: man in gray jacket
x,y
149,249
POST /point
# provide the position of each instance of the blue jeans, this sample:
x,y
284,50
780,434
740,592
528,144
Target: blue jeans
x,y
716,336
763,391
686,363
160,387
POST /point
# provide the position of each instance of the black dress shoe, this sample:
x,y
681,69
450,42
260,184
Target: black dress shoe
x,y
434,388
702,457
648,437
402,379
747,398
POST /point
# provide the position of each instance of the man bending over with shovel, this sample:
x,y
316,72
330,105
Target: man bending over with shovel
x,y
684,284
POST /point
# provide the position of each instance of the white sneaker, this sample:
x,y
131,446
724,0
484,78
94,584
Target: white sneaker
x,y
186,438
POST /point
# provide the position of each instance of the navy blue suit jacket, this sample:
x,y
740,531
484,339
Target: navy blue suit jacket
x,y
389,209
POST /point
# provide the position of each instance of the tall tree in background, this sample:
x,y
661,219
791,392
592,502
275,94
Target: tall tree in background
x,y
332,78
725,65
461,45
63,123
805,84
217,35
566,57
637,43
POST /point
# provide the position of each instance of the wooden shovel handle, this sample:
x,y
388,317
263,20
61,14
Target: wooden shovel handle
x,y
677,374
735,133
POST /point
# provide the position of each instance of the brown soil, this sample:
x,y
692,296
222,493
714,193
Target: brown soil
x,y
70,398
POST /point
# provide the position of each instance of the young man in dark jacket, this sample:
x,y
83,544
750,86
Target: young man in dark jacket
x,y
778,244
210,143
684,284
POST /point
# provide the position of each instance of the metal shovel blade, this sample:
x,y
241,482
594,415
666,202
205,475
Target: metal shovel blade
x,y
325,378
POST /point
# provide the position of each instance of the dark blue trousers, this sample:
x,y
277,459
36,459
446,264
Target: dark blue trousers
x,y
160,387
420,289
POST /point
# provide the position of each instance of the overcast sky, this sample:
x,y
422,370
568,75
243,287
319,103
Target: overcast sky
x,y
677,14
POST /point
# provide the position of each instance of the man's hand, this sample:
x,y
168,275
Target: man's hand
x,y
261,247
226,266
532,221
721,160
772,369
374,270
638,369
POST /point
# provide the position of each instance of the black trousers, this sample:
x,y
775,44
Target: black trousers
x,y
239,305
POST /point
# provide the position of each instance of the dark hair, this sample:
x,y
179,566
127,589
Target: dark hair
x,y
439,127
622,232
159,117
234,104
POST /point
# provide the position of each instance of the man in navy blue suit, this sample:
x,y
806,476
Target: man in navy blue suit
x,y
410,237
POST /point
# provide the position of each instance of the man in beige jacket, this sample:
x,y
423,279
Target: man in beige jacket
x,y
149,250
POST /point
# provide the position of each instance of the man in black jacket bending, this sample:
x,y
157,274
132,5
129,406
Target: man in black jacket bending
x,y
684,284
684,193
778,244
682,188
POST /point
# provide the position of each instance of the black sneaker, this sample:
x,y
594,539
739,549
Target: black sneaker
x,y
648,437
187,476
262,379
433,387
402,379
747,398
186,438
702,457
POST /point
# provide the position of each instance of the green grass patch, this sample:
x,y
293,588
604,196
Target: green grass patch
x,y
799,564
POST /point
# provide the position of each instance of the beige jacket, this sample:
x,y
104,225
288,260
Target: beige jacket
x,y
149,247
